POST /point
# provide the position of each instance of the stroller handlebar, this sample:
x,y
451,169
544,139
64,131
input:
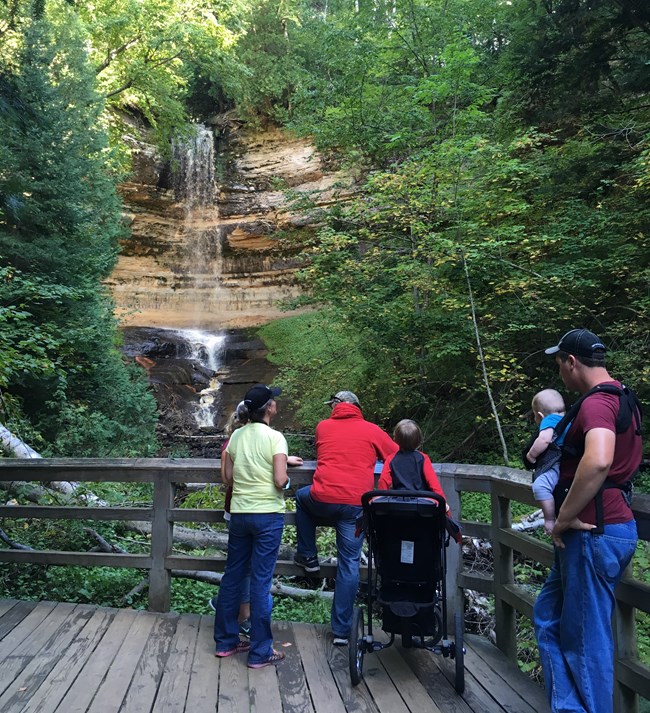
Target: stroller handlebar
x,y
405,494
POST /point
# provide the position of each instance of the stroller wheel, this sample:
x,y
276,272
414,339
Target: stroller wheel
x,y
356,646
459,653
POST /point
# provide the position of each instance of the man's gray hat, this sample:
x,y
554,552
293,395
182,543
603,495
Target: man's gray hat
x,y
579,342
343,397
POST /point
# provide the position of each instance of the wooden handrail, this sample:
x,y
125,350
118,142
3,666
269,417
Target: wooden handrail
x,y
503,485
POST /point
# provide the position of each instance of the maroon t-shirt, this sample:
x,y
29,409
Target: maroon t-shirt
x,y
600,411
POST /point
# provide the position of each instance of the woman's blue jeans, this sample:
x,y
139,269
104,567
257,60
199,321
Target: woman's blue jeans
x,y
309,514
253,544
245,596
573,618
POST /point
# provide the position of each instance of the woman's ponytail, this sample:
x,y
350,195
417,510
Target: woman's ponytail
x,y
243,414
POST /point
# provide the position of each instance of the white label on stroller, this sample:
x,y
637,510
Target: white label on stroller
x,y
406,556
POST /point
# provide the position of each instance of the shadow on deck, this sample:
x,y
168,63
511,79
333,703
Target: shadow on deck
x,y
77,658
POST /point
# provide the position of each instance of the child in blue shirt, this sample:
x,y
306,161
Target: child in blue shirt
x,y
549,409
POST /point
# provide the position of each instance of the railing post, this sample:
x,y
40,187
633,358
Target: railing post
x,y
455,593
505,615
160,578
625,699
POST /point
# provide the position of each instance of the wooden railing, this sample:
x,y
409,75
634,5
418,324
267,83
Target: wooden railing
x,y
503,485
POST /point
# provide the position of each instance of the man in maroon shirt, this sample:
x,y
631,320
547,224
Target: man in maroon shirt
x,y
573,612
347,448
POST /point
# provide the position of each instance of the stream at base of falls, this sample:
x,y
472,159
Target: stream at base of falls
x,y
198,378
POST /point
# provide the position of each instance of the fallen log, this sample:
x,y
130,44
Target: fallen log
x,y
278,588
19,449
16,446
13,544
201,539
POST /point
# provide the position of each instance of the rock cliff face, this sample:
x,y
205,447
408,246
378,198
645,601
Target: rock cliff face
x,y
211,256
205,261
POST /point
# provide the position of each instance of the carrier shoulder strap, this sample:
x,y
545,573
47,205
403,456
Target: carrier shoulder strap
x,y
632,409
629,408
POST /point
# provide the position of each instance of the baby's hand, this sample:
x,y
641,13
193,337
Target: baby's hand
x,y
294,460
549,525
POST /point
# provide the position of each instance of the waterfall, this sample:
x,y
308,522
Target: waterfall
x,y
194,177
195,187
205,347
199,231
207,350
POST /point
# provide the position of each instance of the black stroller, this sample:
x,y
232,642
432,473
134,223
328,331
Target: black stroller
x,y
407,537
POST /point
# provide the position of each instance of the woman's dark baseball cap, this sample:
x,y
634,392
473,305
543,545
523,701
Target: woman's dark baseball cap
x,y
259,395
580,343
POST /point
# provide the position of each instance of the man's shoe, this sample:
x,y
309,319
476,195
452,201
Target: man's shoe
x,y
309,564
340,641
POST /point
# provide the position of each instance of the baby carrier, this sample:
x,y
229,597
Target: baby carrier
x,y
629,408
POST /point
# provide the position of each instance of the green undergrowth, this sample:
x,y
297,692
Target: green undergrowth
x,y
476,507
101,586
189,596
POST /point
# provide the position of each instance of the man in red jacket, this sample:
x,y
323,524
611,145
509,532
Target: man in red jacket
x,y
347,448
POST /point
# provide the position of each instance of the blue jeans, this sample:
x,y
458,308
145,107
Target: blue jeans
x,y
309,514
573,618
253,544
246,583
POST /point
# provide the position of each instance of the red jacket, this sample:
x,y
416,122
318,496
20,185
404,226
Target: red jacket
x,y
347,448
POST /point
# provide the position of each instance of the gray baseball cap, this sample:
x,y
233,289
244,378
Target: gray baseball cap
x,y
343,397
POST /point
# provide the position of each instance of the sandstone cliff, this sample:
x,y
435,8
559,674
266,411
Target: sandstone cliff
x,y
220,262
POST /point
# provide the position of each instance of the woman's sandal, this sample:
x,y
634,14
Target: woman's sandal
x,y
274,658
239,649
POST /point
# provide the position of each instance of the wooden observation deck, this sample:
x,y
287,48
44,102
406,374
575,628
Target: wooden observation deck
x,y
68,658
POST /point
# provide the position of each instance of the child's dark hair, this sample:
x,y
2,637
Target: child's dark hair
x,y
407,435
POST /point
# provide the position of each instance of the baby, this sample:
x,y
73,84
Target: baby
x,y
548,407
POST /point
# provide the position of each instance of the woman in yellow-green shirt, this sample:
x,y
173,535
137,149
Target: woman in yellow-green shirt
x,y
255,463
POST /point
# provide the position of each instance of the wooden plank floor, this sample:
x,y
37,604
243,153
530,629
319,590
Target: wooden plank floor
x,y
67,658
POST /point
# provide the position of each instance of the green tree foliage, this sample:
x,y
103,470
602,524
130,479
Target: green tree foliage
x,y
67,390
393,77
150,56
164,61
570,60
268,68
507,184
